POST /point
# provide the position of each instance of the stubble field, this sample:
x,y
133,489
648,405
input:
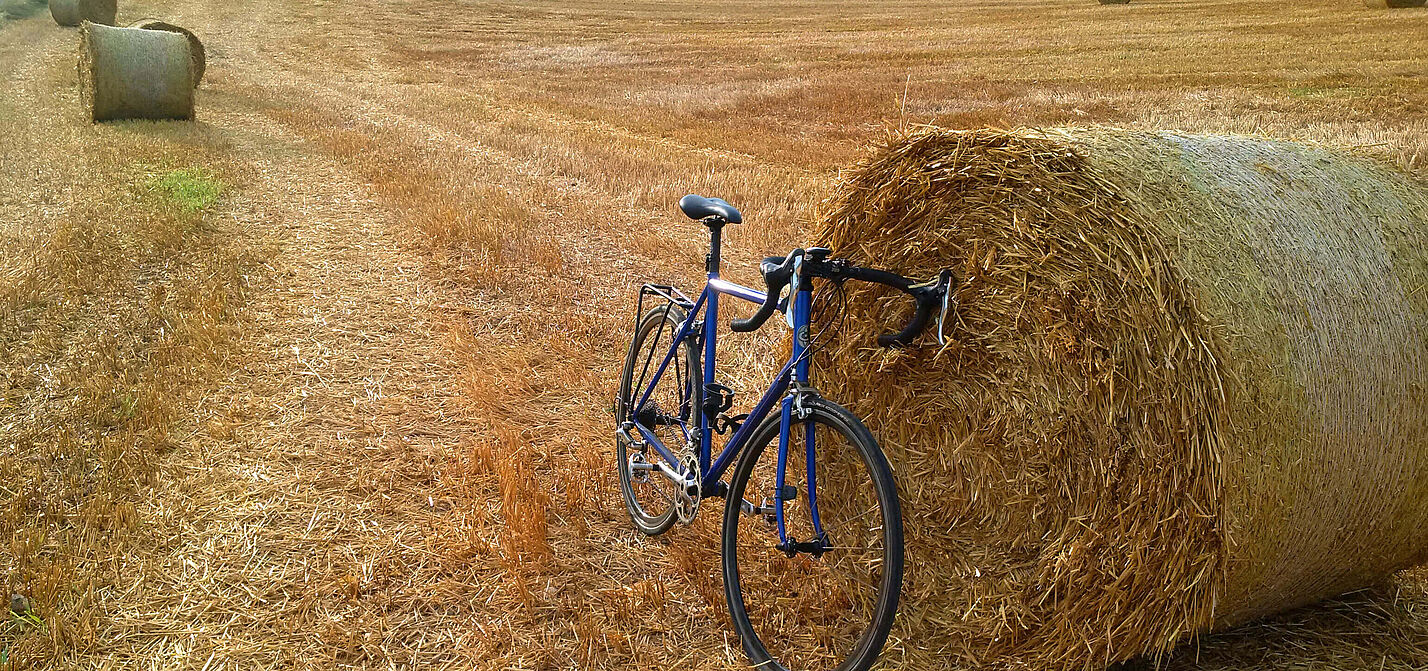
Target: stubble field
x,y
323,378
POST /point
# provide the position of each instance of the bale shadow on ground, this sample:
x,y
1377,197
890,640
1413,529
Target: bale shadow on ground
x,y
1380,628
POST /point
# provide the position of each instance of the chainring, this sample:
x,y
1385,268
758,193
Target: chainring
x,y
686,502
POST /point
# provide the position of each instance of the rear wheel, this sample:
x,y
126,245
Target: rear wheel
x,y
829,608
649,496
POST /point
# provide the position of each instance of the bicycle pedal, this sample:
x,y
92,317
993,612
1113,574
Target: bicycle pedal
x,y
765,511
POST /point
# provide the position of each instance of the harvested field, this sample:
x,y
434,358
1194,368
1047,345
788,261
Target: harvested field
x,y
351,410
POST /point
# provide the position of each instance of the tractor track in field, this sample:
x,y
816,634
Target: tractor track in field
x,y
327,516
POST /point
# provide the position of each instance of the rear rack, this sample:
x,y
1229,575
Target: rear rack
x,y
670,296
665,291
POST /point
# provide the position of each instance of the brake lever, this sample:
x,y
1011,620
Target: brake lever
x,y
792,291
945,284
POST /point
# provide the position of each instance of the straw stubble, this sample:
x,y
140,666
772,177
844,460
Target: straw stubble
x,y
1394,4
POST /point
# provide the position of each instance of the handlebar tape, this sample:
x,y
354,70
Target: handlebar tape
x,y
778,271
925,306
927,296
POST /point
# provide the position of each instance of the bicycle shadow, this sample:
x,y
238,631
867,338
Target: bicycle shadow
x,y
1381,628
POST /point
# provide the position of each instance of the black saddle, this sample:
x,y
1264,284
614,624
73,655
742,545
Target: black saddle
x,y
700,208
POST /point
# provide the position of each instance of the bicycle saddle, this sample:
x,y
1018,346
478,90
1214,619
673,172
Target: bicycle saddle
x,y
699,207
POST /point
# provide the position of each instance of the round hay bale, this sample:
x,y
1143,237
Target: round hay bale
x,y
74,12
195,45
1114,2
1393,4
1185,385
131,73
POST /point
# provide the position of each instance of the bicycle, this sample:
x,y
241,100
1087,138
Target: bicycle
x,y
827,599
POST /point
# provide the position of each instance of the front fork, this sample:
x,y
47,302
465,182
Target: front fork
x,y
795,412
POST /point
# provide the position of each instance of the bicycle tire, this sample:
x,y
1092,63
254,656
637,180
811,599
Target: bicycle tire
x,y
869,645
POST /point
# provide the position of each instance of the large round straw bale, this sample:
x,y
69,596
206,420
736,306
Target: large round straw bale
x,y
1186,384
131,73
1114,2
196,52
73,12
1394,4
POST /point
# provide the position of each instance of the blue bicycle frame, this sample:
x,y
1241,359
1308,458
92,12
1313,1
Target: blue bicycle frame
x,y
794,373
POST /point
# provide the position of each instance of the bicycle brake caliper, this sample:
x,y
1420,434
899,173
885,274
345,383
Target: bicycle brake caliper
x,y
799,391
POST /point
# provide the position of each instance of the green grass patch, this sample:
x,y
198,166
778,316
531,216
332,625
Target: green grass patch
x,y
190,189
1319,92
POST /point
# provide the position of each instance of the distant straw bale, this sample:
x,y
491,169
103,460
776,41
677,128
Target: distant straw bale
x,y
1394,4
196,51
131,73
1185,386
1114,2
74,12
18,9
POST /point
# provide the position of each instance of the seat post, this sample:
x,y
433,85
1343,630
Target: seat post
x,y
711,261
711,338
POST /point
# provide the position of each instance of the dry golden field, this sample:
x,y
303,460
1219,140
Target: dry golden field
x,y
323,378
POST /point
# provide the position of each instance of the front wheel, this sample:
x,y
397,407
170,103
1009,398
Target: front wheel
x,y
823,600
